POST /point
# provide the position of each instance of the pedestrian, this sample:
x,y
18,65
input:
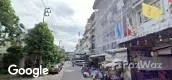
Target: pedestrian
x,y
100,75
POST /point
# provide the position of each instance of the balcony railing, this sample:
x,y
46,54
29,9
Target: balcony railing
x,y
136,3
154,26
150,27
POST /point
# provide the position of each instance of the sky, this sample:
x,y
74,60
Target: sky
x,y
67,18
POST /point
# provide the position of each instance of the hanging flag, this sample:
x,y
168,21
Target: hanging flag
x,y
118,31
129,27
151,11
126,26
170,6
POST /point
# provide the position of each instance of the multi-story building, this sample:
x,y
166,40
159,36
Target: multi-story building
x,y
151,40
104,25
92,33
87,43
89,35
120,23
82,46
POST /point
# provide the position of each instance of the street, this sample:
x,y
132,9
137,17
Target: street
x,y
85,39
71,73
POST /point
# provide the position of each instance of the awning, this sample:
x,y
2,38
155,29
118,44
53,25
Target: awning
x,y
117,60
98,55
116,50
110,64
114,62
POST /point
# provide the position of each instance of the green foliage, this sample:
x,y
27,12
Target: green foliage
x,y
40,40
58,55
9,22
7,13
15,53
4,71
16,50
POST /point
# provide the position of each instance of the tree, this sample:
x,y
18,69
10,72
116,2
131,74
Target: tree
x,y
40,40
9,22
58,54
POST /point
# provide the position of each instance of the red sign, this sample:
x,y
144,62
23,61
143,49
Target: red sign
x,y
170,1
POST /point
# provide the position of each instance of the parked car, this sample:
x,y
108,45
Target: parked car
x,y
55,69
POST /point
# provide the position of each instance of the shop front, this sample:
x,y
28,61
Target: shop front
x,y
119,63
153,53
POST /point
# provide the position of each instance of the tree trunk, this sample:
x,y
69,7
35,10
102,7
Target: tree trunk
x,y
40,60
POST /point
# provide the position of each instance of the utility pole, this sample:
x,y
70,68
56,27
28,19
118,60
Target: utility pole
x,y
47,12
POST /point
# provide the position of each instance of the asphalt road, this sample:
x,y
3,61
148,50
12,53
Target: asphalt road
x,y
71,73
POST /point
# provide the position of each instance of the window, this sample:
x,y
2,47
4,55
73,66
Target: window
x,y
142,19
114,44
108,46
92,46
104,48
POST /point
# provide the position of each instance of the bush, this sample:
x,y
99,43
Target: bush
x,y
3,71
13,56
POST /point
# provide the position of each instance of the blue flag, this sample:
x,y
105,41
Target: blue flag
x,y
118,31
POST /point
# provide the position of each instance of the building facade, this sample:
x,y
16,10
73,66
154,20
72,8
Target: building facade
x,y
104,25
87,42
121,24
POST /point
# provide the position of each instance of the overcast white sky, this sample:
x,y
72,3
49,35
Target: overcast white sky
x,y
67,19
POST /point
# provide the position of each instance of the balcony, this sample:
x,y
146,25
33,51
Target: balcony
x,y
136,3
150,27
154,26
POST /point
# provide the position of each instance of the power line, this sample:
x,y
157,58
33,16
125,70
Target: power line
x,y
47,10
